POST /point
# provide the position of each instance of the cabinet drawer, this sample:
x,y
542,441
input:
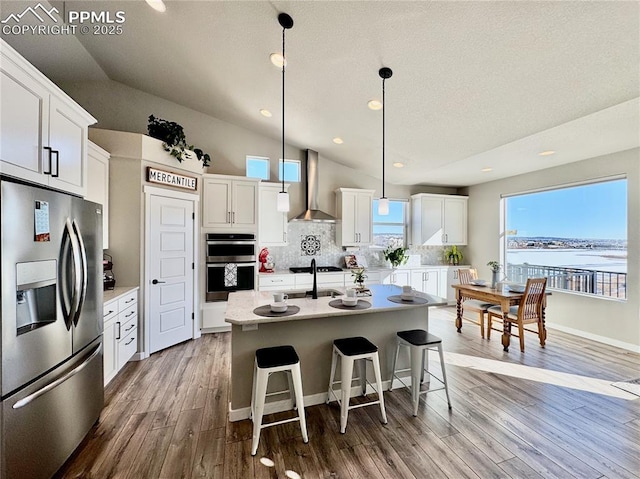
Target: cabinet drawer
x,y
110,310
325,279
126,314
128,300
127,347
128,327
281,281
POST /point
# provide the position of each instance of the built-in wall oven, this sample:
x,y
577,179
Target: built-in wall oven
x,y
231,264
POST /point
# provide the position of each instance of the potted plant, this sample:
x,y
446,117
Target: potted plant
x,y
174,140
359,277
495,269
453,255
396,256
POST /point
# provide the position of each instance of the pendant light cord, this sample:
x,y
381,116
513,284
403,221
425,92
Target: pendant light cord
x,y
384,108
283,66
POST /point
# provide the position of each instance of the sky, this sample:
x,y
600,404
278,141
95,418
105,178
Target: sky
x,y
595,211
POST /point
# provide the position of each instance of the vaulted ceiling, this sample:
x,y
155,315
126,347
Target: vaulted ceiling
x,y
475,84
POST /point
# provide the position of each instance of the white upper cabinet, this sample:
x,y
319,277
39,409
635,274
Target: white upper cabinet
x,y
43,138
438,220
98,185
272,224
354,209
229,202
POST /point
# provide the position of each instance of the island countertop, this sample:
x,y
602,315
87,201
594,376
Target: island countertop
x,y
241,304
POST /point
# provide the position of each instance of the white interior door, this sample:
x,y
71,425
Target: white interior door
x,y
171,272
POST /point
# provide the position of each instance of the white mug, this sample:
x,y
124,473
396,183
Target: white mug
x,y
351,293
407,290
280,297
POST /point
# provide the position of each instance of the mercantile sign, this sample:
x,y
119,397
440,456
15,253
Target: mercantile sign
x,y
171,179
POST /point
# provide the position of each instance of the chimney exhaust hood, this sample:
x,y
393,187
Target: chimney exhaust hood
x,y
313,213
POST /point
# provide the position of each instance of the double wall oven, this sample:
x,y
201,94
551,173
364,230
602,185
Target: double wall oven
x,y
231,264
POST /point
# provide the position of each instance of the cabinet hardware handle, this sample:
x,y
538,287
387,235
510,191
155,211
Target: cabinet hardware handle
x,y
130,314
131,326
277,280
129,300
155,281
118,336
57,153
109,312
233,217
48,148
130,341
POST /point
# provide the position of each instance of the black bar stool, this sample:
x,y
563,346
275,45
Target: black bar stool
x,y
269,361
419,342
350,350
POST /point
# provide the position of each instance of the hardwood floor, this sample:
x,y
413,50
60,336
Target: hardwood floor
x,y
514,416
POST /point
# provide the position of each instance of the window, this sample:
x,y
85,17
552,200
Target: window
x,y
576,236
258,167
291,170
390,229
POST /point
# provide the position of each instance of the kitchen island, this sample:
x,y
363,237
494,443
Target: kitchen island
x,y
311,332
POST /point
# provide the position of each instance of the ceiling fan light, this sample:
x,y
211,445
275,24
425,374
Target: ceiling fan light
x,y
277,59
282,204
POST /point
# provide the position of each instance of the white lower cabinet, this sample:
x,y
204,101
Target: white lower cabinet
x,y
399,277
120,337
426,280
276,282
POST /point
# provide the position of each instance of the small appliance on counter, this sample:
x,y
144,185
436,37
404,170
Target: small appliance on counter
x,y
266,261
108,278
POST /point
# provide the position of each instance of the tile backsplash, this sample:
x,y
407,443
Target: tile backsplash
x,y
309,240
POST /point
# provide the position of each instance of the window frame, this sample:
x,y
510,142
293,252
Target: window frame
x,y
505,237
291,161
405,222
254,157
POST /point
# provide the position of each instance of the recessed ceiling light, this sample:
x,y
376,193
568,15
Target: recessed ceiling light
x,y
375,105
157,5
277,59
398,164
487,169
338,141
266,113
546,153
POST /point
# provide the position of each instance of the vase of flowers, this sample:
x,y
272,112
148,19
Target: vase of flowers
x,y
495,269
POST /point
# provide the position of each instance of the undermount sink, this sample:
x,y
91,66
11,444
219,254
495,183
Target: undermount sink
x,y
321,292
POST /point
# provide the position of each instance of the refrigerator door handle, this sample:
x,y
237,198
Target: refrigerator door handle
x,y
52,385
82,292
77,275
67,298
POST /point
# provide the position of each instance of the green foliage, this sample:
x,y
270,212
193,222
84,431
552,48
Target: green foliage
x,y
359,276
453,254
494,265
396,256
173,139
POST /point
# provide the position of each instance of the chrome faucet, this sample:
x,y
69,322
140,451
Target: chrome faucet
x,y
314,272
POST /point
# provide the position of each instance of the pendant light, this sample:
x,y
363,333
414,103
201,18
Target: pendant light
x,y
286,22
383,202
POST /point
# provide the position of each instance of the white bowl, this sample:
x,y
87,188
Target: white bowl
x,y
517,288
478,282
349,301
407,297
279,307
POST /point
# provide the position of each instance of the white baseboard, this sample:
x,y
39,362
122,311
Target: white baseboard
x,y
601,339
285,405
221,329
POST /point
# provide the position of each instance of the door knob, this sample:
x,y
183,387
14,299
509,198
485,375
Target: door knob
x,y
155,281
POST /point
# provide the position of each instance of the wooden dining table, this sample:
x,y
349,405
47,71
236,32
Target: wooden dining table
x,y
498,296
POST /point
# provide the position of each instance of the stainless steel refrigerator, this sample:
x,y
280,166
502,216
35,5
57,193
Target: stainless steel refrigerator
x,y
51,377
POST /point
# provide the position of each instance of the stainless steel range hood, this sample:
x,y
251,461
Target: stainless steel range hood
x,y
312,212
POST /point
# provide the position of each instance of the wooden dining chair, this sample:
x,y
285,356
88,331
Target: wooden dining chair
x,y
529,311
465,276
